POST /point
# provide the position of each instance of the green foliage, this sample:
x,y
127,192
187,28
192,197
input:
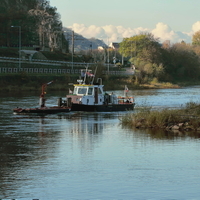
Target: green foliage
x,y
37,20
196,38
181,62
143,46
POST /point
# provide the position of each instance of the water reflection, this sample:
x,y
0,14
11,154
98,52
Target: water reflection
x,y
92,153
160,134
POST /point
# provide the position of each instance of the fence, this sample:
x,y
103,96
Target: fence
x,y
6,60
4,70
39,70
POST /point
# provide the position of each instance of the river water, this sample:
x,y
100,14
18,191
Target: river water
x,y
91,156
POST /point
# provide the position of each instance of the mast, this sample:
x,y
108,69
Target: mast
x,y
86,68
94,75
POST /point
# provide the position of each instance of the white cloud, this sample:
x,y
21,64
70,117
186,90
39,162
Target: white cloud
x,y
164,32
196,27
110,33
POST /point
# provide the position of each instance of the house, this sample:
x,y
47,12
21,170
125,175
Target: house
x,y
114,45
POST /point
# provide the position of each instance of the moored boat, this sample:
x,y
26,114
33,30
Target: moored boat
x,y
43,109
91,97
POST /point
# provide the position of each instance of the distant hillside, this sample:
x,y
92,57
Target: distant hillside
x,y
82,43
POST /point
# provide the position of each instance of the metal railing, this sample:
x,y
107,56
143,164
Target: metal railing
x,y
4,70
48,62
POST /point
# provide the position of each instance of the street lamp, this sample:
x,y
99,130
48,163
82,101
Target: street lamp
x,y
108,56
72,49
19,44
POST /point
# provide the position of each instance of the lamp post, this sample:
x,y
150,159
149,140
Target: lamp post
x,y
108,57
19,44
72,49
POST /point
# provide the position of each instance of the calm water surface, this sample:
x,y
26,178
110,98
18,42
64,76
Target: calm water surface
x,y
91,156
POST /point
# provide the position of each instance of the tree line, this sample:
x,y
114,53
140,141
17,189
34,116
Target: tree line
x,y
40,24
162,62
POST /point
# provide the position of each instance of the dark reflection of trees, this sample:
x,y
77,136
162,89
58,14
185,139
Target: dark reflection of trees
x,y
12,151
20,149
161,134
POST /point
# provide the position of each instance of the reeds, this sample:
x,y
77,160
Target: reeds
x,y
184,118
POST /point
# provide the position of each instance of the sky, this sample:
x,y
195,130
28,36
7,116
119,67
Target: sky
x,y
113,20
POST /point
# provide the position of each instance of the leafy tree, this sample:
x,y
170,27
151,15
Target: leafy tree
x,y
143,46
178,62
37,20
181,62
196,38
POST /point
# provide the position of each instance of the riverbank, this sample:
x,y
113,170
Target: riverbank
x,y
182,119
27,82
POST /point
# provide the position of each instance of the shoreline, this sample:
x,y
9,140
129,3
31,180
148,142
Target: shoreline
x,y
183,119
24,82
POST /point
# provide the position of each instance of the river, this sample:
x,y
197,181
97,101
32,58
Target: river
x,y
80,155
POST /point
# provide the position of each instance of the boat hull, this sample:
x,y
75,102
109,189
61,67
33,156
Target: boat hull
x,y
43,110
102,108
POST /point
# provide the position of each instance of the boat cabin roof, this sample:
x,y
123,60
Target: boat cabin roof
x,y
87,85
82,89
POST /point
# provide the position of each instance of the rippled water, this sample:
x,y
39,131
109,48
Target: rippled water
x,y
91,156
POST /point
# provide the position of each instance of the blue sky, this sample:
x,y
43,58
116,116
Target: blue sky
x,y
160,16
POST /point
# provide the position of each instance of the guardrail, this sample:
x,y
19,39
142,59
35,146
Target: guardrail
x,y
48,62
40,70
4,70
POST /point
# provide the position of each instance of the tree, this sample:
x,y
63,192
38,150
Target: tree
x,y
196,38
181,62
37,20
143,46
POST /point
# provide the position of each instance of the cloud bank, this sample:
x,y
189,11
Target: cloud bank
x,y
110,33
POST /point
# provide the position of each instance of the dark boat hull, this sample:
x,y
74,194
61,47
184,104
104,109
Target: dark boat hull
x,y
102,108
44,110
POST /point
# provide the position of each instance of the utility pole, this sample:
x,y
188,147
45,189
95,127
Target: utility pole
x,y
108,56
72,50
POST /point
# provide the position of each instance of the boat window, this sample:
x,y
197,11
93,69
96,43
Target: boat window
x,y
75,90
90,90
82,90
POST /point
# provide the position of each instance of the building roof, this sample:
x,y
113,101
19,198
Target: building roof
x,y
114,45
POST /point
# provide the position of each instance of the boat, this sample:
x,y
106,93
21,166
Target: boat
x,y
89,96
43,110
61,107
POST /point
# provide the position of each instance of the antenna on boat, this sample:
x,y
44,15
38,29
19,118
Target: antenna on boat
x,y
94,75
86,68
126,91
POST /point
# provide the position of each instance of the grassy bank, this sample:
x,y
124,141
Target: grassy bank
x,y
24,82
27,82
186,118
33,82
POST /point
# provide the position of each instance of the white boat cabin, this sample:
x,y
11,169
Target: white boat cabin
x,y
91,95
